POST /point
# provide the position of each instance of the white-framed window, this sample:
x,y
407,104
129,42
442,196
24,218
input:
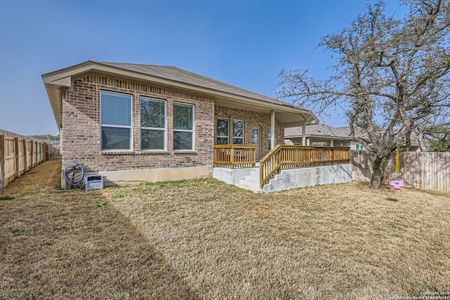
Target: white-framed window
x,y
153,123
115,120
269,138
238,132
223,131
255,136
183,126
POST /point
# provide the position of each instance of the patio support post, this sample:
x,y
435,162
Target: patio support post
x,y
272,126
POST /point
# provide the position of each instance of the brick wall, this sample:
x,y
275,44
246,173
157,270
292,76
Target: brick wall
x,y
80,134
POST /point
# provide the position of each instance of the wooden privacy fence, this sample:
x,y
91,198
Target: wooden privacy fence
x,y
421,170
294,156
235,156
18,155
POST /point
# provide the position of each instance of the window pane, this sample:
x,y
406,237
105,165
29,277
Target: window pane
x,y
255,133
222,127
182,140
183,116
115,109
222,140
238,141
152,139
238,128
152,113
269,137
115,138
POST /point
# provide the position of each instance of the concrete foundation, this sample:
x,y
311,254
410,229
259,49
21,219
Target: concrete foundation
x,y
154,175
305,177
288,179
246,178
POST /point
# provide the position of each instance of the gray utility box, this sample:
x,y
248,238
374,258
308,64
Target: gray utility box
x,y
93,182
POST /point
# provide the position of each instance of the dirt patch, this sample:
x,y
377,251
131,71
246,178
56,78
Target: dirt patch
x,y
204,239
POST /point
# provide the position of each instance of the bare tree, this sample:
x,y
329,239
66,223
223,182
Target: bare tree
x,y
433,133
435,138
390,74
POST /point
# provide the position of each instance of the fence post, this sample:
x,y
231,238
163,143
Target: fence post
x,y
32,153
38,153
45,152
17,156
25,158
2,162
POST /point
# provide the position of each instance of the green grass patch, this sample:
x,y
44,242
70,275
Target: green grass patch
x,y
6,197
101,204
118,197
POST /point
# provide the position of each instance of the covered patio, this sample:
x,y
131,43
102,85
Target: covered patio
x,y
257,123
252,136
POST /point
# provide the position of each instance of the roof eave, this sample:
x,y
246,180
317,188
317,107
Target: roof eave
x,y
62,78
54,95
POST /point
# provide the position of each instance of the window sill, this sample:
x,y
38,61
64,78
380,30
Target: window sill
x,y
145,152
184,152
116,152
152,152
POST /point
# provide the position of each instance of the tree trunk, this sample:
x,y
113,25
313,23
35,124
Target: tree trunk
x,y
377,176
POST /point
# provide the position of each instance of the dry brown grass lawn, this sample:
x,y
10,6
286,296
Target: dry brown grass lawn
x,y
204,239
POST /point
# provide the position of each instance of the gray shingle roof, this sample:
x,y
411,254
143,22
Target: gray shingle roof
x,y
180,75
324,130
319,130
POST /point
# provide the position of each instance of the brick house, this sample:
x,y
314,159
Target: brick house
x,y
134,123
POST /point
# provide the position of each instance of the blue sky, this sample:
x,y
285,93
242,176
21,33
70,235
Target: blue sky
x,y
243,42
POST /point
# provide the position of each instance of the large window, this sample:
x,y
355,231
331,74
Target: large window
x,y
183,126
223,131
115,120
153,124
238,132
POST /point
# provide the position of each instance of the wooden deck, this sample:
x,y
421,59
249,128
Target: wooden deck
x,y
293,156
280,158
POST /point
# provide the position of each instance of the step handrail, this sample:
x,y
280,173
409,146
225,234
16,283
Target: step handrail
x,y
268,165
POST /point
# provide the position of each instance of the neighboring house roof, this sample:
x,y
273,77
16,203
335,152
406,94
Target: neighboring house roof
x,y
319,130
166,75
327,131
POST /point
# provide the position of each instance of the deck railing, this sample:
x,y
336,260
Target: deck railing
x,y
235,156
293,156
